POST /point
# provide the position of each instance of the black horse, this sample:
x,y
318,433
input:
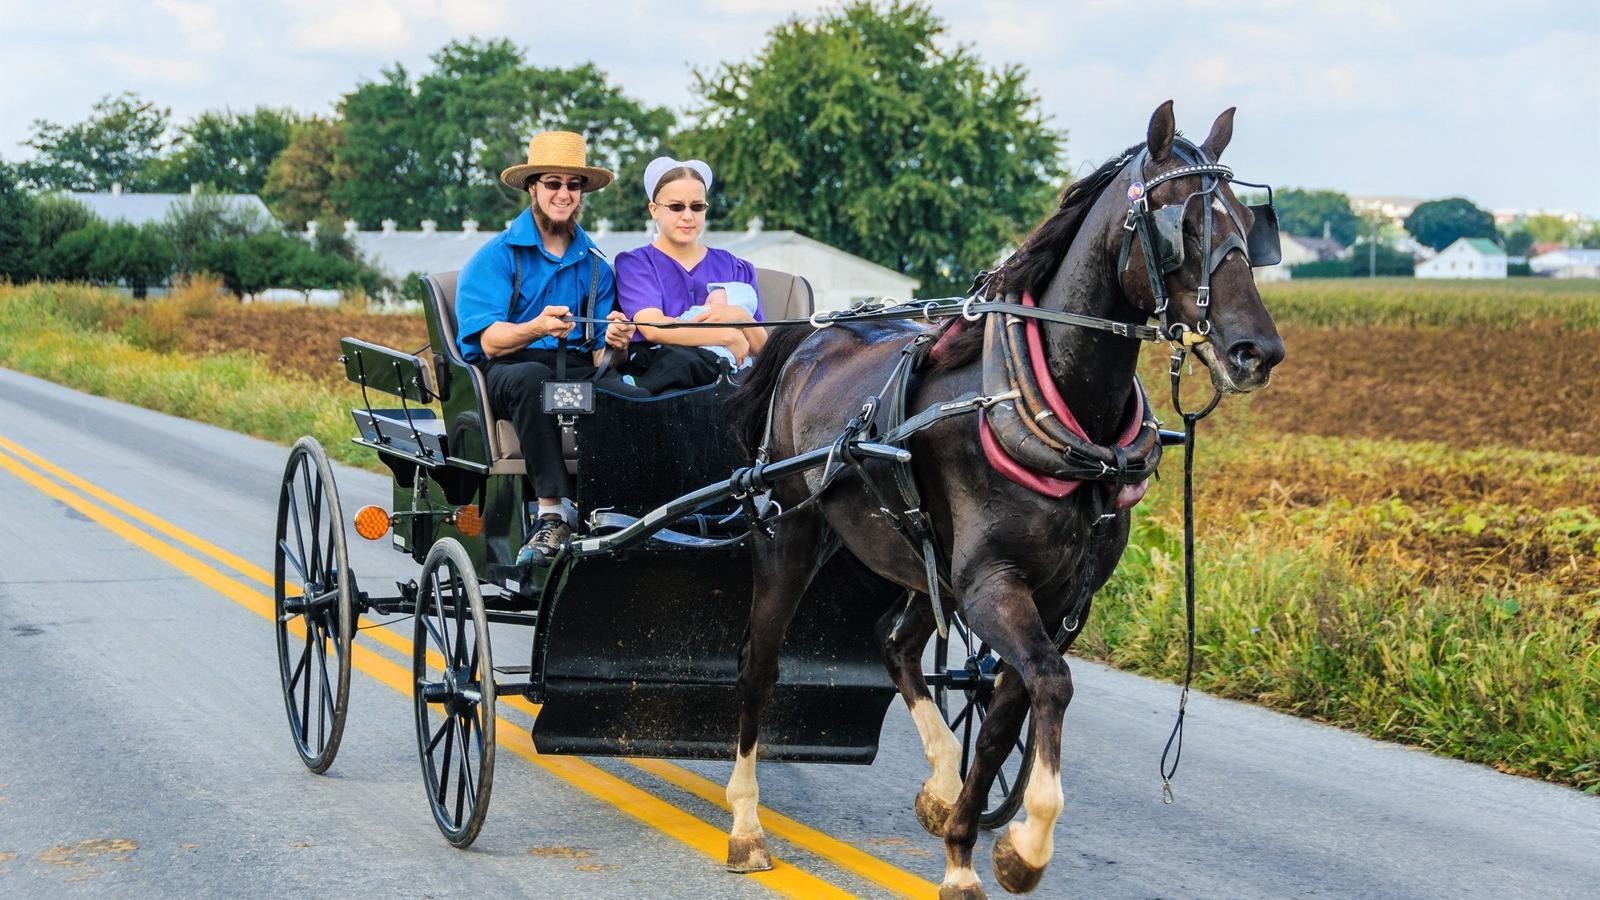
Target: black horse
x,y
1017,559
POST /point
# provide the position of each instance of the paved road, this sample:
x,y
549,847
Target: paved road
x,y
146,754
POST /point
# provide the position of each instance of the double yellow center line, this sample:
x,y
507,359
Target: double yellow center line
x,y
786,879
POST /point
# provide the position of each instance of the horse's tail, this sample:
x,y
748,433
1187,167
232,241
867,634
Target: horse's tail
x,y
747,408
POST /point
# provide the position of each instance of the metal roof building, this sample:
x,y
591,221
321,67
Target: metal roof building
x,y
140,209
838,278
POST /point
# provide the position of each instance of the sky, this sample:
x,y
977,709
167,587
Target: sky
x,y
1494,101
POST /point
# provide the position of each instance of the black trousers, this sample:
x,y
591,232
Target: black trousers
x,y
516,392
668,367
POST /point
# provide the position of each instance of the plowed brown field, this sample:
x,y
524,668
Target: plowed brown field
x,y
1535,387
299,340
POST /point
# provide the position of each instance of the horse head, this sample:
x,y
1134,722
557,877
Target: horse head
x,y
1185,244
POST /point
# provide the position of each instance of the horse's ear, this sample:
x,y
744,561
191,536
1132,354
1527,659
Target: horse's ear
x,y
1162,128
1221,134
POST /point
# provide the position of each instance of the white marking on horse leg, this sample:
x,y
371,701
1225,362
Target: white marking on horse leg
x,y
1034,837
941,748
747,843
960,881
744,794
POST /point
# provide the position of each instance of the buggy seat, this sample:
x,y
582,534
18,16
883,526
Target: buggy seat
x,y
783,296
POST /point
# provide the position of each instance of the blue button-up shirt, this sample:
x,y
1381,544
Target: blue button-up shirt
x,y
484,288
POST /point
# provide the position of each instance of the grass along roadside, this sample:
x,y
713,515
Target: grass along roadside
x,y
56,333
1459,612
1419,592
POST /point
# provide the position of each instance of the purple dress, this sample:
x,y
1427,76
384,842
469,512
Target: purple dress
x,y
650,279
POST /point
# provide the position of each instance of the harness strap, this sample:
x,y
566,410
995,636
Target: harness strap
x,y
914,521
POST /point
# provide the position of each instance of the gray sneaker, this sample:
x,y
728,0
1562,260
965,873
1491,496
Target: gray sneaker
x,y
550,534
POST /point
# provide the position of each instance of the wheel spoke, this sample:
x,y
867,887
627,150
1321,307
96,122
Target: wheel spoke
x,y
444,774
439,735
299,535
461,778
323,690
305,695
328,692
294,561
299,669
314,507
966,739
1005,789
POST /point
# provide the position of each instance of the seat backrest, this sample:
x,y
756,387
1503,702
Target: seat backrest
x,y
443,299
783,296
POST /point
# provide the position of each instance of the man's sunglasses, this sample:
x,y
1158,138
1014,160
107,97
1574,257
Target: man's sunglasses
x,y
574,185
698,206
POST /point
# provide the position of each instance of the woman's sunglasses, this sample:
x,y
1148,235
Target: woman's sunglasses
x,y
574,185
698,206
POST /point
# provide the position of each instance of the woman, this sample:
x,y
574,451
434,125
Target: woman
x,y
663,280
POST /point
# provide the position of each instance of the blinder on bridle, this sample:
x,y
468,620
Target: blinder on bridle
x,y
1159,232
1260,245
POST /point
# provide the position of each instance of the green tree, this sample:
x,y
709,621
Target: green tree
x,y
867,129
136,256
71,258
435,149
1308,213
1517,243
56,214
303,179
270,259
19,234
193,223
227,151
1549,229
387,174
1438,223
116,144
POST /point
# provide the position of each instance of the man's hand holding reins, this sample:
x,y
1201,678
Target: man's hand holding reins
x,y
620,331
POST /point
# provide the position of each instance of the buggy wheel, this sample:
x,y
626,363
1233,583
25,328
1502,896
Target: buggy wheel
x,y
453,674
312,605
965,669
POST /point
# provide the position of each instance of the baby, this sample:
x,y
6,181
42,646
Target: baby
x,y
725,293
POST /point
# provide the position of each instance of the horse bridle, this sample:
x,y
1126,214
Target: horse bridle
x,y
1159,233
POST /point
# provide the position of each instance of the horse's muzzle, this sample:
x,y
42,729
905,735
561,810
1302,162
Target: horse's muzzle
x,y
1250,362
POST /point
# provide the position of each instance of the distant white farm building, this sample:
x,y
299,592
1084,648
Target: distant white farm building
x,y
1466,258
1567,263
1298,250
838,278
118,205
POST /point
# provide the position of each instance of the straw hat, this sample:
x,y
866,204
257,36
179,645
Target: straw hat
x,y
561,153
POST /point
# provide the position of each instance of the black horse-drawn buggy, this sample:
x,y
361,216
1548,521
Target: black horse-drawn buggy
x,y
831,556
636,626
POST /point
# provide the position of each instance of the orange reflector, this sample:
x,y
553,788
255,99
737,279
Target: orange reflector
x,y
469,521
372,522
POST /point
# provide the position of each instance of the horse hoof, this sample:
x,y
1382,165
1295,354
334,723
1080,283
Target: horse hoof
x,y
932,813
748,854
961,892
1014,873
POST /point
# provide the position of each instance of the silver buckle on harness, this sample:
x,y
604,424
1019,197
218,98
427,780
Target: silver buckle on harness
x,y
1203,296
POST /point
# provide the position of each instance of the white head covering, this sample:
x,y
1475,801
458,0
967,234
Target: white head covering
x,y
661,165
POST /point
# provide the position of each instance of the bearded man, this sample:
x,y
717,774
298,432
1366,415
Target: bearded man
x,y
512,298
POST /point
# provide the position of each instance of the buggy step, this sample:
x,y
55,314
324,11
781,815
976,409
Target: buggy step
x,y
514,670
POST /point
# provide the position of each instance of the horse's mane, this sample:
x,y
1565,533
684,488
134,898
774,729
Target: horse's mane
x,y
1035,263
